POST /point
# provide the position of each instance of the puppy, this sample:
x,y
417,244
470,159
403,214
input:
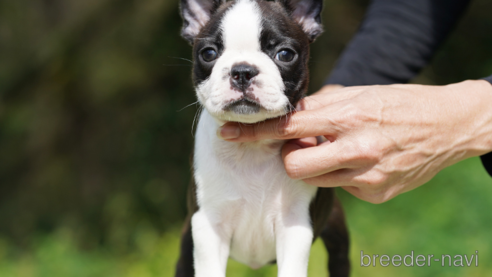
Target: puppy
x,y
251,64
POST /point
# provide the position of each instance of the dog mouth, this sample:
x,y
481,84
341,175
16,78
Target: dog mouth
x,y
243,106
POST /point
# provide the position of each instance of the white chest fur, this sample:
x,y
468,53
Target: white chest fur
x,y
249,208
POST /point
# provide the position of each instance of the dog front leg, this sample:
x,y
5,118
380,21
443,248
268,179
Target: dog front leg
x,y
294,238
211,247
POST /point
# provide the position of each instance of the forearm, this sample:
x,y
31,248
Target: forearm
x,y
474,117
383,140
487,158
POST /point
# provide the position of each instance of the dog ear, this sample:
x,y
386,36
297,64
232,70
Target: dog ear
x,y
196,13
307,13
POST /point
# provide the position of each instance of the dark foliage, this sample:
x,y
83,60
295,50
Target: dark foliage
x,y
94,133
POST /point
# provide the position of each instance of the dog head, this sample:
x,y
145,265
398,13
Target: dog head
x,y
250,56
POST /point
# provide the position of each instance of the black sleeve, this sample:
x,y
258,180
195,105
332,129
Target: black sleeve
x,y
487,158
396,40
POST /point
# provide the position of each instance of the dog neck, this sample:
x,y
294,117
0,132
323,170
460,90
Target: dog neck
x,y
234,152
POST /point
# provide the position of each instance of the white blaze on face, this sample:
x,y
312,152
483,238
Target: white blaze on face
x,y
241,29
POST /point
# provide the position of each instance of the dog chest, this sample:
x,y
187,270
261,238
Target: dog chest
x,y
246,192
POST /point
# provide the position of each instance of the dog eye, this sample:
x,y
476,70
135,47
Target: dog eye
x,y
209,55
285,56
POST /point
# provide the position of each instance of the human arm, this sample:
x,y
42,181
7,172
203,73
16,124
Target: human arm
x,y
382,140
396,40
360,157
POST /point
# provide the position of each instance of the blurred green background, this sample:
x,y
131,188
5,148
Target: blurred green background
x,y
95,144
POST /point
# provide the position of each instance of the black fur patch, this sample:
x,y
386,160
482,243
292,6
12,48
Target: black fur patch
x,y
209,37
280,32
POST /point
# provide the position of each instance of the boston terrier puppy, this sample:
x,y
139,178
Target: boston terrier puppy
x,y
251,64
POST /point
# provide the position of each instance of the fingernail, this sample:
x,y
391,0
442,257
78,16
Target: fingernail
x,y
228,132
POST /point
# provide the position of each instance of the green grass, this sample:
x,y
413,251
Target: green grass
x,y
450,215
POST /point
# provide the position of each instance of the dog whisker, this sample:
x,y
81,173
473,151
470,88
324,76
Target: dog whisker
x,y
183,59
197,114
187,106
184,65
311,99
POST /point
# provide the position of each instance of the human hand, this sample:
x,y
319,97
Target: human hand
x,y
381,140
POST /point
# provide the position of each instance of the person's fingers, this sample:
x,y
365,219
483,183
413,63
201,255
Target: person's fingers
x,y
367,185
313,118
327,96
304,163
339,178
298,125
359,175
368,195
310,103
305,142
329,88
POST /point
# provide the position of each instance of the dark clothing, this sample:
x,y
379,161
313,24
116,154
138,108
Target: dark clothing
x,y
395,41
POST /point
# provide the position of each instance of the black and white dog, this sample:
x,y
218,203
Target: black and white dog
x,y
251,64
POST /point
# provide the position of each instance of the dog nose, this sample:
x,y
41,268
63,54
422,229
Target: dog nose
x,y
242,74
